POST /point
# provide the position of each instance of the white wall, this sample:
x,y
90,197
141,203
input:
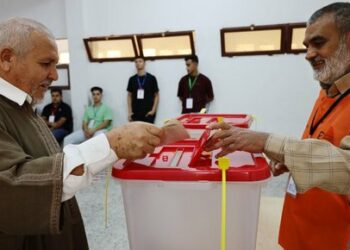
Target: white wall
x,y
279,90
49,12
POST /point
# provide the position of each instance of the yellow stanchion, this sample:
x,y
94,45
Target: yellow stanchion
x,y
108,178
224,164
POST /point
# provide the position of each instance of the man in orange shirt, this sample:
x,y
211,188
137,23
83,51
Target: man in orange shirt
x,y
316,213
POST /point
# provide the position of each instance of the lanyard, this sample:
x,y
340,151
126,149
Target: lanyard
x,y
313,126
95,110
190,83
141,84
54,110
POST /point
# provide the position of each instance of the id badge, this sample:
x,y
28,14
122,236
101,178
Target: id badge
x,y
140,94
51,118
291,188
189,103
91,124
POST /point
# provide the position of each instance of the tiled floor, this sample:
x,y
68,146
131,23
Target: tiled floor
x,y
114,236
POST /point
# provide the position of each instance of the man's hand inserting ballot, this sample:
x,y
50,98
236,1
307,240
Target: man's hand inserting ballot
x,y
173,131
231,139
134,140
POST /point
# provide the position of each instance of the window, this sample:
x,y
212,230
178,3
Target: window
x,y
99,49
63,81
263,40
166,45
63,51
254,40
296,34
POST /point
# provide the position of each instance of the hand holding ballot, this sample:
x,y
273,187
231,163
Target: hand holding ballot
x,y
134,140
137,139
173,131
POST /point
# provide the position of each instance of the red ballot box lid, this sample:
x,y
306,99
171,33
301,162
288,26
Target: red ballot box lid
x,y
200,121
185,161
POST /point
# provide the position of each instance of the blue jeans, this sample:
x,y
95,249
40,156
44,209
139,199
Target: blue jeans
x,y
59,134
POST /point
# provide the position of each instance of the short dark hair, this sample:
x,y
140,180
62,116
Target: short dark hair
x,y
96,88
194,58
56,90
140,57
341,11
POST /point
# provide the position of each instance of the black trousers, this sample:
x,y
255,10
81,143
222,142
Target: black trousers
x,y
143,118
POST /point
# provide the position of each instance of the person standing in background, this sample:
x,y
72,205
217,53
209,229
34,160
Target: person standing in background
x,y
58,116
143,94
195,89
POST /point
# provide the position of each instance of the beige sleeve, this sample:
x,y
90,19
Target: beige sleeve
x,y
312,162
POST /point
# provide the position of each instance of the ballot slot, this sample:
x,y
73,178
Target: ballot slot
x,y
184,154
172,156
176,158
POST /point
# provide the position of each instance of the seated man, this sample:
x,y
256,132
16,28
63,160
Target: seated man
x,y
58,116
97,119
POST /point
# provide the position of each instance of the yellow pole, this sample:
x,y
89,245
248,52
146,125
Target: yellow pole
x,y
108,177
224,164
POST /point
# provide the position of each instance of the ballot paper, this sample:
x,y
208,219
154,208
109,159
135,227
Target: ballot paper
x,y
173,131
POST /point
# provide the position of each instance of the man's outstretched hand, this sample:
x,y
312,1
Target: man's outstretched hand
x,y
231,139
134,140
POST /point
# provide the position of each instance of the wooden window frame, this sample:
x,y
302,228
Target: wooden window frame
x,y
289,38
252,28
106,38
67,86
165,34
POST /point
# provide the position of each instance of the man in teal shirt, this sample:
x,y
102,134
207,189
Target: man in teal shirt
x,y
97,119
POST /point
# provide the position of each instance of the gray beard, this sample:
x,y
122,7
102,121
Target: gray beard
x,y
335,66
